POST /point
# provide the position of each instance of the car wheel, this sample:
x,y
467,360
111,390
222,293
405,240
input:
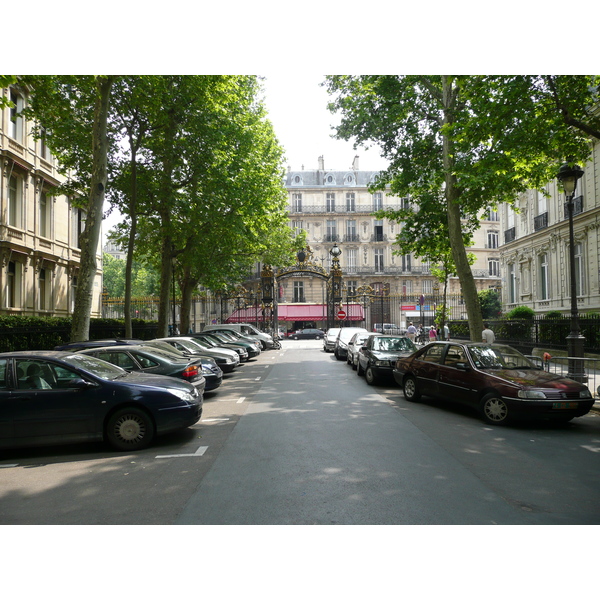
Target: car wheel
x,y
370,376
494,410
411,391
319,337
353,365
295,337
130,429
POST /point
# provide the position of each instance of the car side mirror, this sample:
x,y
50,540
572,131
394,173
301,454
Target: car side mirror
x,y
80,384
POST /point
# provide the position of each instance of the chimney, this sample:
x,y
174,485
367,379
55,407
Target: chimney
x,y
355,164
321,163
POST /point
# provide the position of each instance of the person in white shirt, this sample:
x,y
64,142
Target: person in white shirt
x,y
487,335
411,332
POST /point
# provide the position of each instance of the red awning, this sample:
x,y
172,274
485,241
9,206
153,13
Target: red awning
x,y
296,312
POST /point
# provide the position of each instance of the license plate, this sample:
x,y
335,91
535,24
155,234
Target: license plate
x,y
564,405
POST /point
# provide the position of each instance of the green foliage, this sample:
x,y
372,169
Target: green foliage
x,y
553,314
521,312
491,305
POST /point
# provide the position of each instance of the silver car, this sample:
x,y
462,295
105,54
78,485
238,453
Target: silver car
x,y
329,339
355,344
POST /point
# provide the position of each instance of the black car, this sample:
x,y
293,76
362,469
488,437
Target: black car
x,y
74,346
49,398
378,355
153,360
307,334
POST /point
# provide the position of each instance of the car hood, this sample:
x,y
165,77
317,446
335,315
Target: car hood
x,y
390,355
534,378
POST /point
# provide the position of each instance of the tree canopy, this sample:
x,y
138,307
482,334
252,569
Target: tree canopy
x,y
458,145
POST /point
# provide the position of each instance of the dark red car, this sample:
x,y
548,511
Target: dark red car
x,y
497,380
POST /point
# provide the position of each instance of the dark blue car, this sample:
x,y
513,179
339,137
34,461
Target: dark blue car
x,y
51,397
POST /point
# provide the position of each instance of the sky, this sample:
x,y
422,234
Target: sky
x,y
297,107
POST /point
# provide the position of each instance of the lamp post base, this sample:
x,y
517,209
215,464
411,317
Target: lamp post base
x,y
575,350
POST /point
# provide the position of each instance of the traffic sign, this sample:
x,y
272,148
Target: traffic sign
x,y
341,314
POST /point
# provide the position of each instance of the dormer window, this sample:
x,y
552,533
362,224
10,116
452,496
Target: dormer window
x,y
349,179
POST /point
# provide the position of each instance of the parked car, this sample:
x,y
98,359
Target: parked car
x,y
153,360
227,360
226,339
210,370
379,353
215,341
329,339
239,337
354,345
495,379
50,397
388,328
307,334
340,348
266,341
74,346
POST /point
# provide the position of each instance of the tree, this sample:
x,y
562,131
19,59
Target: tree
x,y
491,306
73,111
473,141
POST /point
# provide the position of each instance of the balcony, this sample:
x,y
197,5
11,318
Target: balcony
x,y
321,209
577,207
510,235
331,237
540,222
352,237
379,237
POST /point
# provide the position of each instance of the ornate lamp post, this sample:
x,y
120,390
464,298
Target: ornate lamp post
x,y
568,175
267,283
335,273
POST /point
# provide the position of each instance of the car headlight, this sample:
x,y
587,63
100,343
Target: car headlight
x,y
531,394
585,393
183,395
382,363
342,344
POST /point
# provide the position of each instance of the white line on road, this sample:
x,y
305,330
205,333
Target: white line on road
x,y
198,452
213,420
242,398
257,378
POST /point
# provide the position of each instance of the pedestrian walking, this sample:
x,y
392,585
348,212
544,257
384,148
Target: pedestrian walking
x,y
432,334
487,335
446,332
411,332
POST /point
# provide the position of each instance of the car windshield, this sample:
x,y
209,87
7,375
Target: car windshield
x,y
393,344
95,366
499,357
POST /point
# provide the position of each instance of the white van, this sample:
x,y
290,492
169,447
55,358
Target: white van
x,y
266,341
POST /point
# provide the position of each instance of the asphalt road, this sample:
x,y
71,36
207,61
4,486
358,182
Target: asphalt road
x,y
296,437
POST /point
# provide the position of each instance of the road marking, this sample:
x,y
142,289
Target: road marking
x,y
257,378
213,420
242,398
198,452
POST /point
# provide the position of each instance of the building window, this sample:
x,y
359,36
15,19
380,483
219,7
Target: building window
x,y
351,287
42,289
378,201
331,231
299,291
379,260
297,227
297,202
73,292
493,215
406,262
330,201
407,287
351,235
351,258
579,270
494,267
378,231
543,292
15,129
15,202
492,237
78,225
350,202
428,286
45,215
512,284
13,284
404,203
44,150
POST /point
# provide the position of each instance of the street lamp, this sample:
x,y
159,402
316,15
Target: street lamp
x,y
568,175
336,278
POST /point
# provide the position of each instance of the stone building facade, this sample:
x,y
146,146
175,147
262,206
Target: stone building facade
x,y
39,250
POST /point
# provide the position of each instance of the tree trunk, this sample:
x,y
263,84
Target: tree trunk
x,y
80,327
459,252
166,278
188,285
131,243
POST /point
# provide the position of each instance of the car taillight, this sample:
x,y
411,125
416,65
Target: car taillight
x,y
190,372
